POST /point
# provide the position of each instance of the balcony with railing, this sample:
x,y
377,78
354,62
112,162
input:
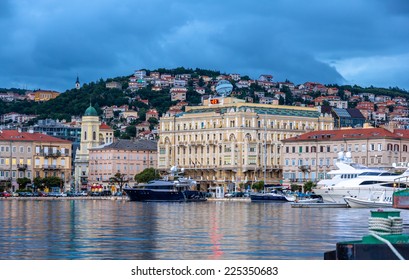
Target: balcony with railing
x,y
52,167
305,168
21,167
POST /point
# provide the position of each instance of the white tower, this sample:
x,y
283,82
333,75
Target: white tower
x,y
77,83
89,139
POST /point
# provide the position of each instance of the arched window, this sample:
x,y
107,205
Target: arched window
x,y
396,148
313,149
389,148
85,135
94,135
405,148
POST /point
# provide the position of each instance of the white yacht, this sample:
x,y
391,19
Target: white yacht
x,y
346,169
364,184
355,180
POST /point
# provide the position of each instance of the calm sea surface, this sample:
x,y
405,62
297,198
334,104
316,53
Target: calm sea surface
x,y
125,230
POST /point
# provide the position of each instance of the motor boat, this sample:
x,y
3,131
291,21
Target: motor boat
x,y
345,170
364,184
272,194
178,189
375,200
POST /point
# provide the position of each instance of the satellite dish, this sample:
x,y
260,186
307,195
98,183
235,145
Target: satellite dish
x,y
224,88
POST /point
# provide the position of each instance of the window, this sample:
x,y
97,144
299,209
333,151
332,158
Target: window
x,y
94,135
21,149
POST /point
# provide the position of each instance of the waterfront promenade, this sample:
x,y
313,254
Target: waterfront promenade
x,y
238,199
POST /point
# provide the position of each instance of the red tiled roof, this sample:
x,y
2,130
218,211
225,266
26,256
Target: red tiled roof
x,y
341,134
104,126
402,132
14,135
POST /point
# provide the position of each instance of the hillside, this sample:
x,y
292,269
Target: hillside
x,y
74,102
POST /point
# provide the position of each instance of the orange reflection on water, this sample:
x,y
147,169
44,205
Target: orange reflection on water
x,y
215,238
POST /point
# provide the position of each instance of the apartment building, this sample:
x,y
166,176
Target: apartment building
x,y
45,95
228,142
310,156
31,155
125,156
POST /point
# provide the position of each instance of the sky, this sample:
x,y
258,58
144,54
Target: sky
x,y
45,44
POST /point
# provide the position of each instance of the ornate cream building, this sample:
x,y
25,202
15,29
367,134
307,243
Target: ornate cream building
x,y
230,143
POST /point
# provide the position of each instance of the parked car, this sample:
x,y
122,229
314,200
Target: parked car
x,y
25,194
83,193
5,194
234,194
106,193
55,194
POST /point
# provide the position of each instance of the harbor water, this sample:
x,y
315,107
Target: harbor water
x,y
62,229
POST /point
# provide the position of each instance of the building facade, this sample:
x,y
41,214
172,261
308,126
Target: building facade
x,y
230,143
310,156
32,155
125,157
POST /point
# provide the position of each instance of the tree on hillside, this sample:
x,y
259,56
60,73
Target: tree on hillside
x,y
131,130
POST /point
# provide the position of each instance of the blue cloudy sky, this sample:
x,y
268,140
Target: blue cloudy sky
x,y
45,43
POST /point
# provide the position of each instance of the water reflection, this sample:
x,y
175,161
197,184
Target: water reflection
x,y
104,229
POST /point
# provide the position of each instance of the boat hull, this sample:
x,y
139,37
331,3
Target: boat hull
x,y
319,205
153,195
354,202
269,198
337,195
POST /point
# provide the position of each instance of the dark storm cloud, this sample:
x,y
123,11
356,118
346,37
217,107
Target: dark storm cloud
x,y
46,43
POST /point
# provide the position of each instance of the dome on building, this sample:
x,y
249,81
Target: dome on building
x,y
91,111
